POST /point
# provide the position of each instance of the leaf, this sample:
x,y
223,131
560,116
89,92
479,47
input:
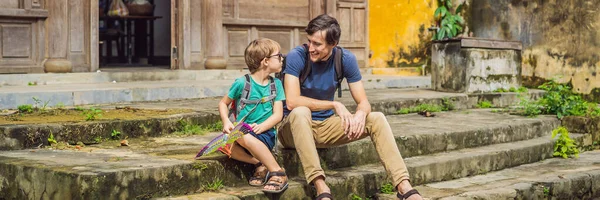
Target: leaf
x,y
459,8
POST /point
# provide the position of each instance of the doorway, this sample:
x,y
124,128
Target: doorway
x,y
140,40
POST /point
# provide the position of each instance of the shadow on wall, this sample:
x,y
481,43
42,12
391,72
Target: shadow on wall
x,y
414,55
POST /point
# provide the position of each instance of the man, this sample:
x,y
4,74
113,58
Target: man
x,y
311,123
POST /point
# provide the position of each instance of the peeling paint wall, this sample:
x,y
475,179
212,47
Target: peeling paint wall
x,y
560,38
398,31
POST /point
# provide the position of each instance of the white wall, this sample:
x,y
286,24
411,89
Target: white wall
x,y
162,28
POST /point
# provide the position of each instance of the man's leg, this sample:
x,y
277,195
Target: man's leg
x,y
296,132
381,134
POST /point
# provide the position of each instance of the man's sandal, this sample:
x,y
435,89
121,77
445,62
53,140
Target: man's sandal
x,y
324,195
259,175
276,179
407,194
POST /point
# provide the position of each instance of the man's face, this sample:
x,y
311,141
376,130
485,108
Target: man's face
x,y
318,48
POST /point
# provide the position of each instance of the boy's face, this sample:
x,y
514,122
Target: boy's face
x,y
318,48
274,62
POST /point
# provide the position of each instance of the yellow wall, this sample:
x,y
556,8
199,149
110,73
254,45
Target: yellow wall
x,y
394,24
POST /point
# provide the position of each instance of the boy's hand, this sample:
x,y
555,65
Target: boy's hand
x,y
256,128
227,127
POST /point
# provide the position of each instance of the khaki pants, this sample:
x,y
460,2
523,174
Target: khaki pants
x,y
299,131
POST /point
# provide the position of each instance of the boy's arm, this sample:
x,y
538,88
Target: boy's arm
x,y
224,113
273,119
363,108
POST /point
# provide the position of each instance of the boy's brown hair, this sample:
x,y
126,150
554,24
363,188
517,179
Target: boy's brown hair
x,y
258,50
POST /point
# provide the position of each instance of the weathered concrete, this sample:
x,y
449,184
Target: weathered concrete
x,y
14,137
468,66
366,180
589,125
166,163
448,131
104,91
388,101
558,39
563,178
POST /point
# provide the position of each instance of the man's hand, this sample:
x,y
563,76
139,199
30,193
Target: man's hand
x,y
257,128
227,127
345,115
358,127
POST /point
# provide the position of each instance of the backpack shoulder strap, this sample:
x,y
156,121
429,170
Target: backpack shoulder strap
x,y
339,70
245,94
273,91
307,66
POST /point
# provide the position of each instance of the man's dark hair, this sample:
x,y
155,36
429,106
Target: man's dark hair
x,y
325,23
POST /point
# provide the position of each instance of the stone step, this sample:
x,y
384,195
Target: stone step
x,y
366,180
101,92
388,101
555,178
165,166
448,131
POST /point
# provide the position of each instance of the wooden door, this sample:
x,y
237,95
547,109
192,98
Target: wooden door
x,y
22,35
175,38
353,18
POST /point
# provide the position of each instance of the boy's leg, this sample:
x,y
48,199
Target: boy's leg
x,y
238,153
260,151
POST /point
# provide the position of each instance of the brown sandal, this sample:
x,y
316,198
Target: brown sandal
x,y
260,175
275,179
407,194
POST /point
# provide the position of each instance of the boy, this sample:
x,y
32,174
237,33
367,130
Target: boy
x,y
263,57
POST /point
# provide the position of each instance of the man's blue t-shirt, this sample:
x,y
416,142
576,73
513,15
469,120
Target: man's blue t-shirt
x,y
321,83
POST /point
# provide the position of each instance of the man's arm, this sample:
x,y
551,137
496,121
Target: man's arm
x,y
357,90
294,99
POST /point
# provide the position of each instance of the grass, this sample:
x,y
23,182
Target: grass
x,y
485,104
186,128
213,186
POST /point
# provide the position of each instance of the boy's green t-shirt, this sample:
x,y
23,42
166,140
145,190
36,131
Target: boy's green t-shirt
x,y
264,110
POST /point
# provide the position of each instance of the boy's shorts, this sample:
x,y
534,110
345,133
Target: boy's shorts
x,y
267,137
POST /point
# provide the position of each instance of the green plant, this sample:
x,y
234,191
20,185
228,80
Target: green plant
x,y
559,99
217,184
32,83
186,128
421,107
529,108
51,139
92,114
115,135
98,139
387,188
565,146
356,197
449,23
522,90
79,108
500,90
26,108
447,104
485,104
546,191
60,105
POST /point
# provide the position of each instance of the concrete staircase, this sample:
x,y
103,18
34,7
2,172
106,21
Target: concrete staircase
x,y
137,86
457,154
462,154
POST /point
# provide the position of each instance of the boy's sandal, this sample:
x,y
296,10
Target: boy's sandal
x,y
407,194
276,179
259,175
324,195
